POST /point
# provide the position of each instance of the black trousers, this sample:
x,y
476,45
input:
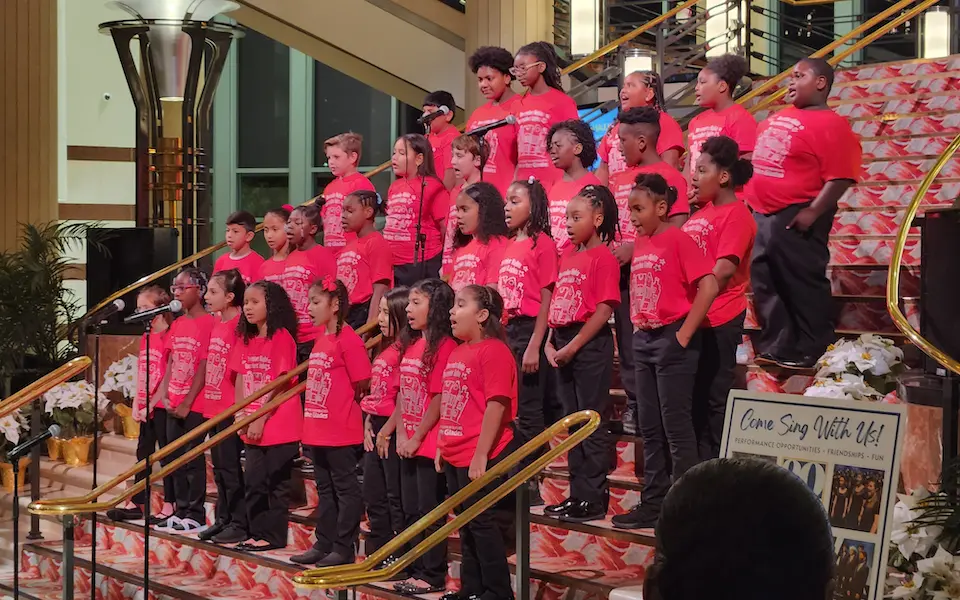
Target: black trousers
x,y
410,273
269,479
357,315
624,328
381,492
153,435
584,384
665,376
341,503
483,569
231,507
791,291
422,489
715,377
190,481
531,400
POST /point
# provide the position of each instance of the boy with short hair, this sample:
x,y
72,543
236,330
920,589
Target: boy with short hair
x,y
441,134
467,160
343,158
241,228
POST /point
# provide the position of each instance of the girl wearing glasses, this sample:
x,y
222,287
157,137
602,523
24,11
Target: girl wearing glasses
x,y
541,106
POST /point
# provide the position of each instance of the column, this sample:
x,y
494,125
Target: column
x,y
506,23
28,115
847,15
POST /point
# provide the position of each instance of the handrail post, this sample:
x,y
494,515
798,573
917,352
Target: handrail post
x,y
68,564
522,576
34,533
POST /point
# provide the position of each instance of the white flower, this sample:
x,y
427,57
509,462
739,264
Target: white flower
x,y
909,538
843,385
121,376
12,426
939,566
909,589
870,353
73,395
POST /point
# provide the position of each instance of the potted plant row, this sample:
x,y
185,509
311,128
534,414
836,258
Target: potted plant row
x,y
71,406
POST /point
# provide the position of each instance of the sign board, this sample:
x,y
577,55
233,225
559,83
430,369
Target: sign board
x,y
848,454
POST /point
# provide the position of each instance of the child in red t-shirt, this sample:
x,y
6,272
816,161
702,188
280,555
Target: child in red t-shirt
x,y
492,67
724,230
333,425
573,150
478,405
527,275
224,299
441,133
480,239
307,262
543,104
343,156
671,288
416,415
182,393
365,265
275,234
581,345
417,205
153,432
468,158
381,465
266,351
241,228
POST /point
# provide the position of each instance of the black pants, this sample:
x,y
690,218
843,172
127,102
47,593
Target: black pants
x,y
410,273
190,481
231,507
665,376
269,479
381,492
531,401
340,501
791,291
624,328
357,315
153,434
422,489
483,570
715,376
584,384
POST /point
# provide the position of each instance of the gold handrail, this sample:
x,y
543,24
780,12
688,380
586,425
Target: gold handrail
x,y
896,262
364,572
41,386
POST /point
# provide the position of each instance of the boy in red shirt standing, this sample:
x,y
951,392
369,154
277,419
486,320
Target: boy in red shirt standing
x,y
241,227
441,134
343,156
807,156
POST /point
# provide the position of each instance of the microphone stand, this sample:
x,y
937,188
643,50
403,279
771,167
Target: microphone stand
x,y
419,247
148,496
16,526
484,148
97,330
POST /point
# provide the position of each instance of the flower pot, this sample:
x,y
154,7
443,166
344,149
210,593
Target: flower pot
x,y
131,427
55,448
6,474
76,451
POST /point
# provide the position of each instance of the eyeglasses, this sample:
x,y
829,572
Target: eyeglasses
x,y
519,71
180,288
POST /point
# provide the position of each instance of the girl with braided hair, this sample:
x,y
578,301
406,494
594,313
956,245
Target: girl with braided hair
x,y
573,150
365,265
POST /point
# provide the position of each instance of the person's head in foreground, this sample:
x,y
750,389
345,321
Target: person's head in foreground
x,y
741,529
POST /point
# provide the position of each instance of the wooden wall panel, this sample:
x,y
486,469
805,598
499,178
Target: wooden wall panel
x,y
28,115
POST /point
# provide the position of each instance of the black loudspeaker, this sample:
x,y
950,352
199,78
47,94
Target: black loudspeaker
x,y
123,256
940,283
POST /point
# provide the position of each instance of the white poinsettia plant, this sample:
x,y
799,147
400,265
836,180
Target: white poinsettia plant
x,y
71,406
862,369
12,427
121,377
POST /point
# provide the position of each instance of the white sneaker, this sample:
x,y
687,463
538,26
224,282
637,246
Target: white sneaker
x,y
187,526
169,524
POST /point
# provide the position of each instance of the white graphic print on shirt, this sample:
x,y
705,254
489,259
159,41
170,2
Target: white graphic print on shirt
x,y
698,137
773,146
347,269
184,363
318,386
532,139
464,271
568,298
699,229
454,399
510,283
216,368
645,290
412,395
333,236
401,217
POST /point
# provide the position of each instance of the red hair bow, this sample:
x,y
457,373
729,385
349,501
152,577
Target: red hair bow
x,y
329,284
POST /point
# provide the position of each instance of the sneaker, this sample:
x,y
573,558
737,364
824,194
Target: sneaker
x,y
162,524
211,531
188,526
639,517
230,535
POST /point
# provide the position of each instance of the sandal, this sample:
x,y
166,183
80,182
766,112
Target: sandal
x,y
412,589
254,546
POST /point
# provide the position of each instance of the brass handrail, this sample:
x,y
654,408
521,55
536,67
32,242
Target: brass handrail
x,y
364,572
41,386
896,262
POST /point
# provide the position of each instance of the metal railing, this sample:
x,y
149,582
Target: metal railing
x,y
43,385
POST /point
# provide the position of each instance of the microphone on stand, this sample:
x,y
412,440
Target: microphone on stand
x,y
107,311
148,315
427,118
24,447
483,130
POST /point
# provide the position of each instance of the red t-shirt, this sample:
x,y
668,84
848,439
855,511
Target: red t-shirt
x,y
364,262
248,265
259,362
384,381
798,152
417,387
623,182
525,270
331,413
334,237
585,279
476,373
300,271
158,366
272,270
403,209
501,142
477,263
725,232
442,145
324,259
663,277
558,196
188,340
671,136
535,116
218,390
735,122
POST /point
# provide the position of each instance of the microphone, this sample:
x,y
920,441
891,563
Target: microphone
x,y
108,311
147,315
26,446
429,117
483,130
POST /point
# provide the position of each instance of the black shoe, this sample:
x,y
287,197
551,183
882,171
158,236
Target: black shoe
x,y
310,557
555,510
400,576
124,514
458,596
333,559
639,517
230,535
629,422
807,362
211,531
765,358
584,511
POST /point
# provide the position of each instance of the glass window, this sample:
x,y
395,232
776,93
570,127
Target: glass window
x,y
260,193
263,102
344,104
